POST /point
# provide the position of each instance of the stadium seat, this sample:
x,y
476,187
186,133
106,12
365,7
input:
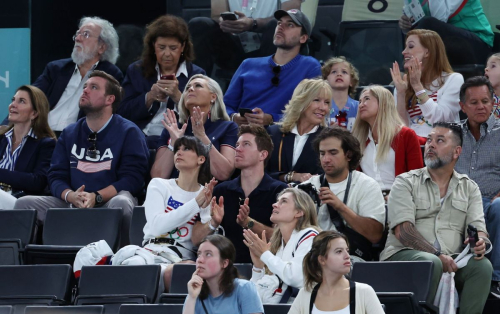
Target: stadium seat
x,y
5,309
276,308
372,47
245,270
151,309
16,231
137,224
402,286
112,286
67,230
181,274
84,309
23,285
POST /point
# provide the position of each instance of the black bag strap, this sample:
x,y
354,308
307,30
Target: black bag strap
x,y
204,307
337,220
313,297
352,297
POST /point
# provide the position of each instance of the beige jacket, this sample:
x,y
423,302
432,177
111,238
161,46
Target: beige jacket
x,y
415,198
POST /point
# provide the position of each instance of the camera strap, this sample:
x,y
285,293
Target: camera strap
x,y
337,220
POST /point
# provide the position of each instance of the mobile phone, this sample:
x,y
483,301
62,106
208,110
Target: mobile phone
x,y
167,77
229,16
245,110
473,237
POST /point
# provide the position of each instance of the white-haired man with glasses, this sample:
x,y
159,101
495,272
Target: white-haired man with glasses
x,y
99,161
96,48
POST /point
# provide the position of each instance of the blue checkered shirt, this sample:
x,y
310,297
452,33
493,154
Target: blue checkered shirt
x,y
480,160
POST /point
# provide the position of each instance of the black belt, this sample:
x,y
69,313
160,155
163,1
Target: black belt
x,y
171,242
163,241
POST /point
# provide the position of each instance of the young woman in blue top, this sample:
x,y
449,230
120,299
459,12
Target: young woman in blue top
x,y
343,79
215,286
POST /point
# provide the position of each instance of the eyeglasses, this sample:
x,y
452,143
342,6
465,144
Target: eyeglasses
x,y
92,151
276,80
84,34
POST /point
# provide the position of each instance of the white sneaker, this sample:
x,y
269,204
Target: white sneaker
x,y
495,289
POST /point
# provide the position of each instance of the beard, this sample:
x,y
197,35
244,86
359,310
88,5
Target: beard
x,y
437,162
80,57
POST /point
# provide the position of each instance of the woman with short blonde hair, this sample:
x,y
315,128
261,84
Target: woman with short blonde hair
x,y
303,118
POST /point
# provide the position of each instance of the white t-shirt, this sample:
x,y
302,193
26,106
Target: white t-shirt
x,y
345,310
364,199
171,212
383,172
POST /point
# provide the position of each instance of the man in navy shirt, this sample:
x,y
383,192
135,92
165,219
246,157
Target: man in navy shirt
x,y
99,161
248,199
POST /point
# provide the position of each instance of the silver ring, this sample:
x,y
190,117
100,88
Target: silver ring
x,y
197,123
169,124
251,244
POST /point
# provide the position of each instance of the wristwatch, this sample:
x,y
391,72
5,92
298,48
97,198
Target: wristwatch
x,y
254,24
98,198
250,224
437,253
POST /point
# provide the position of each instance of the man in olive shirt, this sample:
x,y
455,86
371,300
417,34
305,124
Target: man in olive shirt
x,y
429,211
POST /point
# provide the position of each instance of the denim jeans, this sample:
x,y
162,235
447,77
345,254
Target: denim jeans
x,y
492,218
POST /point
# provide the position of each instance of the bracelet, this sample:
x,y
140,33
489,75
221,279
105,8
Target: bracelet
x,y
66,196
232,116
420,92
209,147
170,148
212,227
289,177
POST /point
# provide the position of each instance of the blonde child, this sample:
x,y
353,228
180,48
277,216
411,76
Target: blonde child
x,y
343,79
492,72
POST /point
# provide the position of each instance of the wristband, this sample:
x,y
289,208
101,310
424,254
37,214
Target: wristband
x,y
170,148
209,147
420,92
257,270
212,227
66,196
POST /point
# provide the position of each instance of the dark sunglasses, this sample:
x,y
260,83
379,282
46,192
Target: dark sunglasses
x,y
276,80
92,151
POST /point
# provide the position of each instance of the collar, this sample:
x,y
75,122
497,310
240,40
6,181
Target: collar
x,y
182,70
290,63
235,184
91,69
30,133
488,124
103,127
296,131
